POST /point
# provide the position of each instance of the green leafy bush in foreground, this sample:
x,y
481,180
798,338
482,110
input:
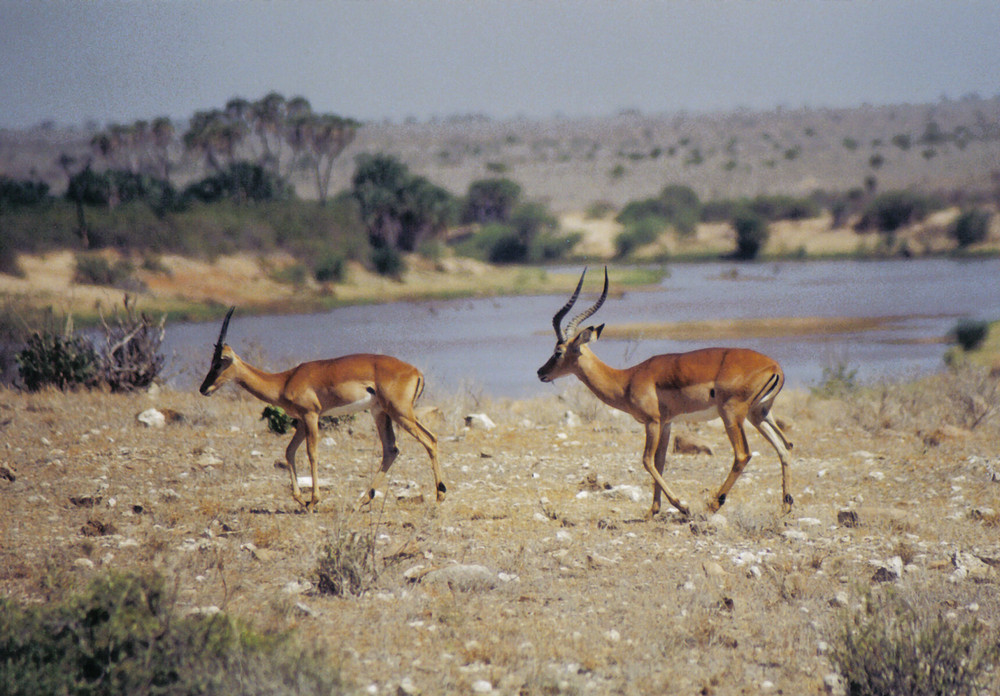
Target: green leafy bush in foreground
x,y
123,635
892,648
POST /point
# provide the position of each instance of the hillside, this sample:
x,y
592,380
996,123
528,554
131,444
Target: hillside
x,y
572,163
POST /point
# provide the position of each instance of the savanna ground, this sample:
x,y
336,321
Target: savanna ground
x,y
577,593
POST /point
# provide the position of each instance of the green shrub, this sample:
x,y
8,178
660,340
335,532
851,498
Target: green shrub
x,y
638,234
970,227
751,235
387,261
123,635
970,334
889,211
65,361
890,648
15,193
331,267
677,205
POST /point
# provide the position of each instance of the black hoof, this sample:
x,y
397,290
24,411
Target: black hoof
x,y
442,488
722,500
788,499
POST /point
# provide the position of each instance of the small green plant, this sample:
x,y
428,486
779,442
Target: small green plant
x,y
347,564
890,648
277,420
331,267
836,381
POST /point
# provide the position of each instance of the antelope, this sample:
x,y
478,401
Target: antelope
x,y
734,384
382,384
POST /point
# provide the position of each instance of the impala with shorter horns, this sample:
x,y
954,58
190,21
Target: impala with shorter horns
x,y
378,383
734,384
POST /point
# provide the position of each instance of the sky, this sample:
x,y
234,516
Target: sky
x,y
96,60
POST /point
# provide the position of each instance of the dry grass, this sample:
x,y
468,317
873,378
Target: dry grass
x,y
589,597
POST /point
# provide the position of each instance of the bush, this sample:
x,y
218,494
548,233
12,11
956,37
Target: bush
x,y
638,234
65,361
347,564
122,635
676,205
891,210
92,269
15,194
490,200
241,181
331,267
971,227
751,235
970,334
130,359
278,421
890,648
387,261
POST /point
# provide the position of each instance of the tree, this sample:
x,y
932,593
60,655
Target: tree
x,y
490,200
324,137
398,208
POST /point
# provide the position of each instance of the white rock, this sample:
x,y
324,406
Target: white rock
x,y
152,418
795,535
571,420
481,686
84,563
633,493
479,420
613,636
463,577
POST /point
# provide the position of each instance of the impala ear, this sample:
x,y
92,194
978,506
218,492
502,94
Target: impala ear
x,y
589,334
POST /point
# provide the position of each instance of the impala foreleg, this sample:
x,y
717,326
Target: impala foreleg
x,y
741,455
654,458
311,420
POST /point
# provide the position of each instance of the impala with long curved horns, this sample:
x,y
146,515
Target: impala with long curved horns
x,y
734,384
378,383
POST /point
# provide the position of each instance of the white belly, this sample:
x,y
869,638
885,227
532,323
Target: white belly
x,y
696,416
353,407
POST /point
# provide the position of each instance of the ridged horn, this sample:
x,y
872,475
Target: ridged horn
x,y
557,319
222,334
571,327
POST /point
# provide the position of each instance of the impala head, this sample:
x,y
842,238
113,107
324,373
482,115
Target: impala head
x,y
222,360
569,341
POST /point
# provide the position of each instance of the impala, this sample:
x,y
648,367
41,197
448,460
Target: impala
x,y
382,384
734,384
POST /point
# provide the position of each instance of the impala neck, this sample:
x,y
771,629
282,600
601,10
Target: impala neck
x,y
266,386
609,384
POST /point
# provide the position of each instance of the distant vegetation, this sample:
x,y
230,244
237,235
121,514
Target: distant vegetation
x,y
235,177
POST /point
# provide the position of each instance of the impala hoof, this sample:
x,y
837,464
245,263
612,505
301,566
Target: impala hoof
x,y
786,503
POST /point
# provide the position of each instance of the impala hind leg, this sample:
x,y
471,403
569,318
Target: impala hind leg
x,y
741,455
653,458
772,433
293,446
426,438
383,424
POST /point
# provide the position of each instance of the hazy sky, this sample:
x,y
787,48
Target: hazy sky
x,y
374,59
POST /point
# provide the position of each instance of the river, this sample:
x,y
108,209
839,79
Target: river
x,y
494,346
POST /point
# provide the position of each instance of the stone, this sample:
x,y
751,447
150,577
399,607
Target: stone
x,y
479,421
462,578
152,418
